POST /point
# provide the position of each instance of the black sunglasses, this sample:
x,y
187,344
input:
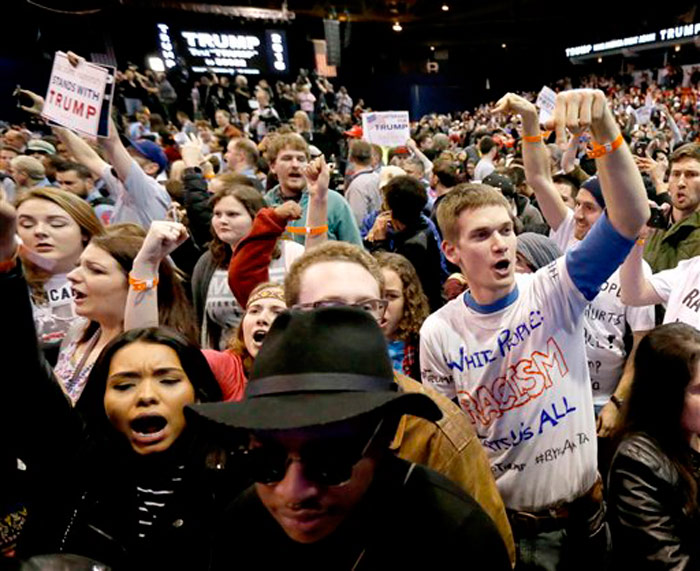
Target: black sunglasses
x,y
267,464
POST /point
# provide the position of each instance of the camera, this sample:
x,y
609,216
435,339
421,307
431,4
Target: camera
x,y
658,219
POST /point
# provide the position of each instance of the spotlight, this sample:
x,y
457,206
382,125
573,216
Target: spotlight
x,y
504,46
600,60
678,48
445,8
432,48
396,27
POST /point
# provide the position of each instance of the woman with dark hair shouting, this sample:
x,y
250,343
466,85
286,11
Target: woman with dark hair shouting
x,y
123,477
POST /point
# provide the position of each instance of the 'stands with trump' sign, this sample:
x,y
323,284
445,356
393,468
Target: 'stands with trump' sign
x,y
75,95
386,128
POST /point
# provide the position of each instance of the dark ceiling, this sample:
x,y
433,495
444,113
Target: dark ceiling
x,y
483,47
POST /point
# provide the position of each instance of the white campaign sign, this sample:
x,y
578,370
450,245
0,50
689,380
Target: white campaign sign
x,y
74,96
546,101
386,128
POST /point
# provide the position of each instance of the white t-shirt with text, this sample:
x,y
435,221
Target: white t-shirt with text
x,y
679,288
605,323
519,371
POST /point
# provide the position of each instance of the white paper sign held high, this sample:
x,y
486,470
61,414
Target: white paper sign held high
x,y
386,128
546,101
74,96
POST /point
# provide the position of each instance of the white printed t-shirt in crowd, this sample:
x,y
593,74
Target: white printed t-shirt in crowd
x,y
518,369
679,288
140,199
605,323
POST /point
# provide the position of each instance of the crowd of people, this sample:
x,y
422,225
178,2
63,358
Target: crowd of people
x,y
245,336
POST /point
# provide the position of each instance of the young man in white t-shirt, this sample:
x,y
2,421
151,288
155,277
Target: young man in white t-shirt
x,y
512,352
678,288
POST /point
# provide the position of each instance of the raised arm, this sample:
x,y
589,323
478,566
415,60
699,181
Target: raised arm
x,y
115,150
141,308
636,288
81,151
427,163
568,159
250,262
620,180
317,177
536,159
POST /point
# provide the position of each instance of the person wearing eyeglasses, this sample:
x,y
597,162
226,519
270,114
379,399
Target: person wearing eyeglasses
x,y
341,274
328,492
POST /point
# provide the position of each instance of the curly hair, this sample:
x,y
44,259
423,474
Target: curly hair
x,y
416,308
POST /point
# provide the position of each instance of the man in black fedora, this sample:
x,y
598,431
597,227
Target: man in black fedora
x,y
321,410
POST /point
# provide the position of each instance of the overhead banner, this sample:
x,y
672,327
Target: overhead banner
x,y
386,128
76,95
233,52
676,34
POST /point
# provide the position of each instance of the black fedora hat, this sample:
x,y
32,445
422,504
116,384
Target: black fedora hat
x,y
319,367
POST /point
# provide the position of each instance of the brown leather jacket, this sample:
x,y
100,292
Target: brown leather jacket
x,y
452,448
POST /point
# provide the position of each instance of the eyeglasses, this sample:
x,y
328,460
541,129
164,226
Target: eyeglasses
x,y
376,307
267,464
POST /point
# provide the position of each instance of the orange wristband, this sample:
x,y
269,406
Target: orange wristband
x,y
142,285
532,138
602,150
307,230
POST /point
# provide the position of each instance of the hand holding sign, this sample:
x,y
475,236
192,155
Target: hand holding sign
x,y
75,95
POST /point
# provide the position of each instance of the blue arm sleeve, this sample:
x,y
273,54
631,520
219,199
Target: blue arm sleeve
x,y
596,257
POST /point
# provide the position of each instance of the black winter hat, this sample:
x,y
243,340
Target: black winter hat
x,y
319,367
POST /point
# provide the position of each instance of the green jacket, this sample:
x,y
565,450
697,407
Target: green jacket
x,y
665,248
341,222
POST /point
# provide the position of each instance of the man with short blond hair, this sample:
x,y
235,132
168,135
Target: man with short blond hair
x,y
511,350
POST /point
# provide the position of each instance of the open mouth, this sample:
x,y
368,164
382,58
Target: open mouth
x,y
259,335
148,425
78,295
502,265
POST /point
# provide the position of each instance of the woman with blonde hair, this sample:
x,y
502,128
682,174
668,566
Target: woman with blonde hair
x,y
54,226
303,125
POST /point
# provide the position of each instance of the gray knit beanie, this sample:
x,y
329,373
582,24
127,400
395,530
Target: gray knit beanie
x,y
537,249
